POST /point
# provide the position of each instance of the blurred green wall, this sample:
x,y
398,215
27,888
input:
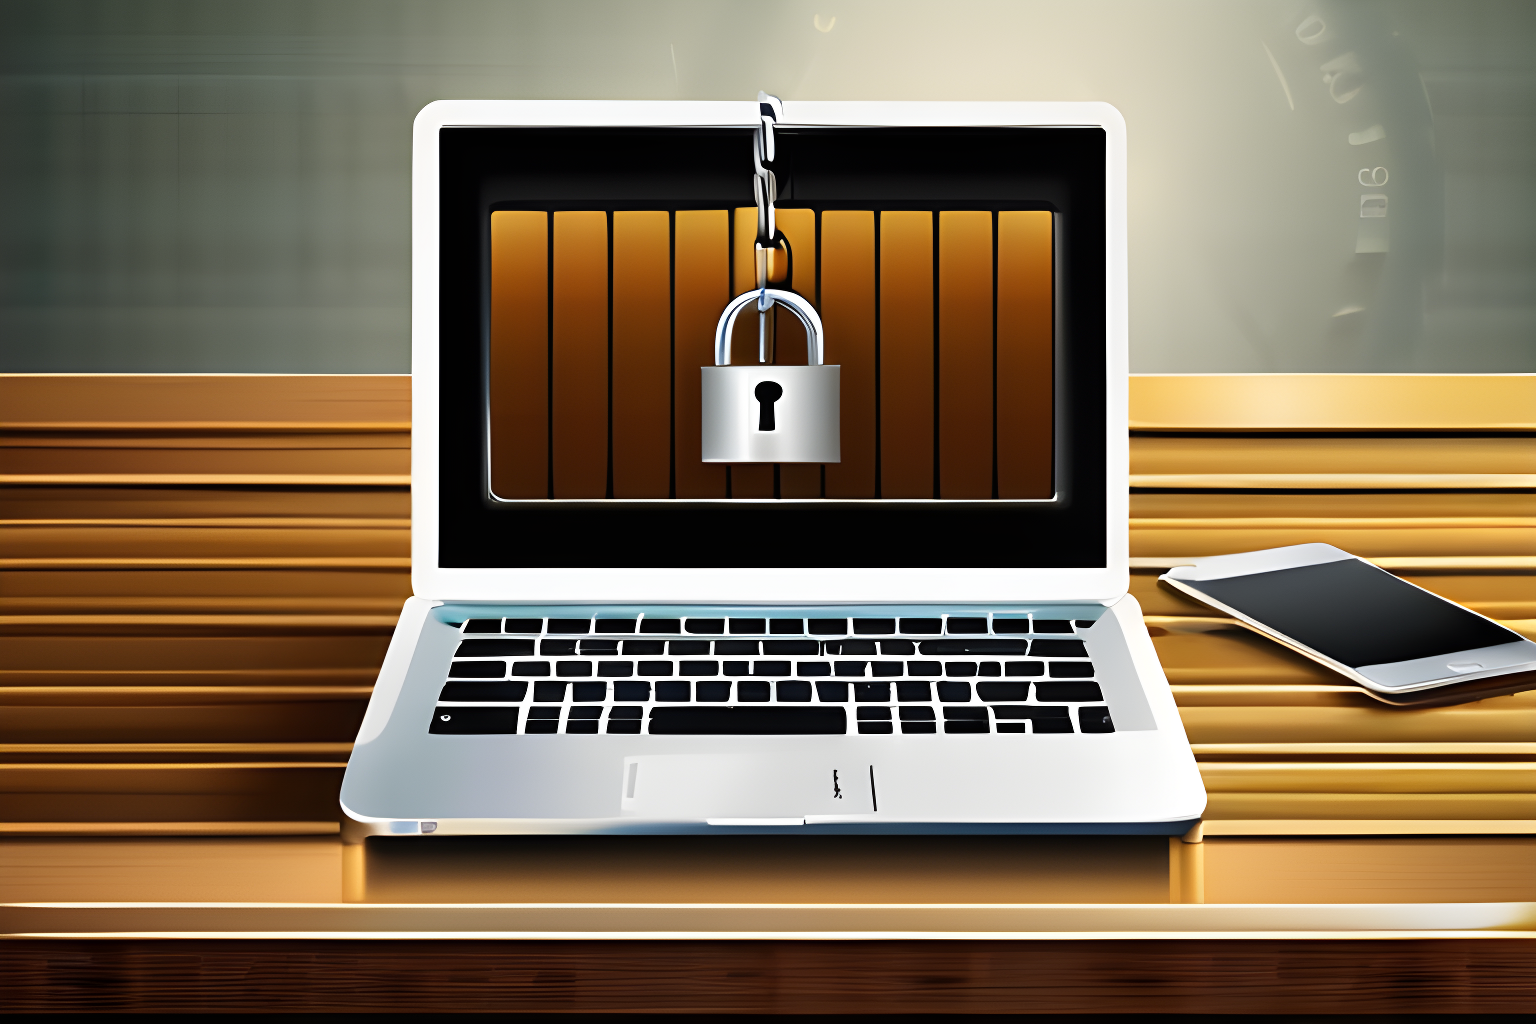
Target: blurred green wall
x,y
221,186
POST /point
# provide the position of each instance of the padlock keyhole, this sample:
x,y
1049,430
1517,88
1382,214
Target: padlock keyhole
x,y
766,394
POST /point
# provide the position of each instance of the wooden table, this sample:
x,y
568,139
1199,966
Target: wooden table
x,y
201,574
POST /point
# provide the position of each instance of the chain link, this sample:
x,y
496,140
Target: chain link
x,y
765,189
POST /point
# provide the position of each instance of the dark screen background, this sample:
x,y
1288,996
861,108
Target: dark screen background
x,y
1355,613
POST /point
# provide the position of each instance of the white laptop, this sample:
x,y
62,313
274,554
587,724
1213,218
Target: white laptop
x,y
926,631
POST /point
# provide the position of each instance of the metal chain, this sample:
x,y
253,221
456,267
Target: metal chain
x,y
765,189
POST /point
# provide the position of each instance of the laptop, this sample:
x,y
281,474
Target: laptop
x,y
636,611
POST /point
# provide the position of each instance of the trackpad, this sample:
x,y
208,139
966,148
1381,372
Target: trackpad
x,y
694,786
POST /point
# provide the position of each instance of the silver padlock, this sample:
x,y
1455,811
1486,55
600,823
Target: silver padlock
x,y
771,413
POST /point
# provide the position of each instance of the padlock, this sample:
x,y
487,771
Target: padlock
x,y
771,413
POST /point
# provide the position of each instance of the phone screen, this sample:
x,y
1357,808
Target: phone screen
x,y
1355,613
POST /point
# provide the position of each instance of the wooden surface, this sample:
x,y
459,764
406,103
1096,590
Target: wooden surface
x,y
1434,976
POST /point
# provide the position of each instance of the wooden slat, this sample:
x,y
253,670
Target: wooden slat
x,y
642,354
1336,401
579,413
848,313
906,354
701,286
966,353
519,354
1025,356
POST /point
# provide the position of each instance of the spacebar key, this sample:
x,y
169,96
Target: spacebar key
x,y
732,721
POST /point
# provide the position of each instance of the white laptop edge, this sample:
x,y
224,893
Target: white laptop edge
x,y
795,585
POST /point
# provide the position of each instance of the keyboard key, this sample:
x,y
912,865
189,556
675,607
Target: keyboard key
x,y
980,645
872,692
1051,725
1025,668
786,626
674,690
914,691
635,713
850,647
530,668
677,647
1094,720
634,647
590,647
655,668
556,648
735,721
892,647
924,668
706,627
1010,625
1055,649
967,625
918,721
832,693
791,647
493,648
874,714
615,626
739,668
698,668
990,668
473,721
1073,693
876,728
542,713
753,690
523,626
966,720
581,713
477,670
542,727
581,727
954,692
874,627
1052,626
828,627
960,668
749,625
849,668
772,668
508,691
485,626
813,668
885,668
624,727
570,625
922,626
589,692
632,691
661,625
1071,669
1002,691
736,646
1083,623
712,692
1031,711
796,690
549,692
613,669
571,669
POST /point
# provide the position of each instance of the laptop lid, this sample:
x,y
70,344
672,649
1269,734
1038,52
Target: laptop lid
x,y
571,262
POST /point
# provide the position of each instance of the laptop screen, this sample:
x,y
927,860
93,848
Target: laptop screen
x,y
959,274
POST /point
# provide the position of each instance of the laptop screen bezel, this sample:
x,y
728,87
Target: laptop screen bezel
x,y
442,512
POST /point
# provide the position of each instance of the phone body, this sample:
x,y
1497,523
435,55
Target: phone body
x,y
1382,632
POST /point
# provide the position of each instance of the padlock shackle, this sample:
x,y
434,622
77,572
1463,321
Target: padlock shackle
x,y
803,310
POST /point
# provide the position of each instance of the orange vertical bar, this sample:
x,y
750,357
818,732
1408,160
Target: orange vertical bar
x,y
581,354
519,370
965,354
848,315
906,353
701,288
642,354
1025,341
796,479
748,480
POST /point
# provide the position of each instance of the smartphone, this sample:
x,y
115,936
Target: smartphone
x,y
1364,623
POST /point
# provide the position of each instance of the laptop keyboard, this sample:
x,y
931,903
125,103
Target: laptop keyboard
x,y
771,676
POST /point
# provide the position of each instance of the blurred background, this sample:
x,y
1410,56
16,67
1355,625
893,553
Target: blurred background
x,y
224,186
